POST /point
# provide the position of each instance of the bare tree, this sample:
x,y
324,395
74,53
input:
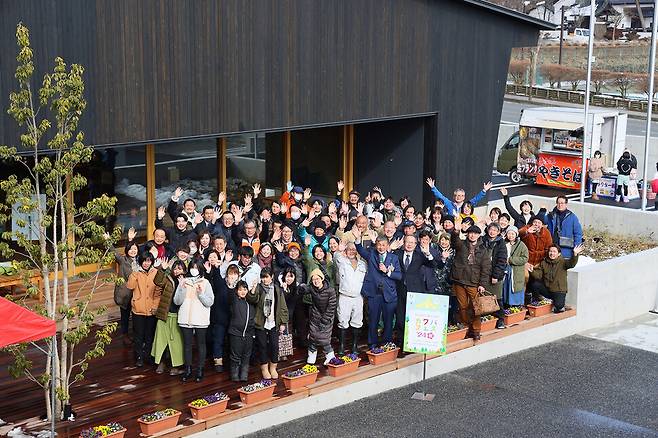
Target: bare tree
x,y
518,70
600,78
553,73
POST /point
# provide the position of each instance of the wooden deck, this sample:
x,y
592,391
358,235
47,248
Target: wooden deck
x,y
114,390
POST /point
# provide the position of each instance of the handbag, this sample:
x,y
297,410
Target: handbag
x,y
285,344
485,303
566,242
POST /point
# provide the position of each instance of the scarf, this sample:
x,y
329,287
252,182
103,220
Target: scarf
x,y
268,307
264,261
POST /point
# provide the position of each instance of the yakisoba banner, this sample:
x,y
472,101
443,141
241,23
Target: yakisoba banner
x,y
559,171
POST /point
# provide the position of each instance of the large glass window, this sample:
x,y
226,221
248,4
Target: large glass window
x,y
316,160
246,165
191,165
129,186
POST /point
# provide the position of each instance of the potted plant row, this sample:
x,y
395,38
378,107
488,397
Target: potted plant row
x,y
208,406
307,375
456,332
540,308
114,430
514,315
384,354
257,392
156,422
487,323
339,366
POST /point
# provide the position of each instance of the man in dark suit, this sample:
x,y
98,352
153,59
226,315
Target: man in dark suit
x,y
412,259
379,285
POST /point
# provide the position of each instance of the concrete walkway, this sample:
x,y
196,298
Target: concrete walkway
x,y
576,387
640,332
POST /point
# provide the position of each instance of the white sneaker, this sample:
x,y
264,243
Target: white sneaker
x,y
626,199
617,198
312,356
328,358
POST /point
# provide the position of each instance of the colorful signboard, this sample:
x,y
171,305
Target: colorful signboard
x,y
426,323
563,171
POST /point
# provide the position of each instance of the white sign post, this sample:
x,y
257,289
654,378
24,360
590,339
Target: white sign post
x,y
425,330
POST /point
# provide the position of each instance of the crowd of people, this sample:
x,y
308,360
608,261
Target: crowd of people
x,y
241,279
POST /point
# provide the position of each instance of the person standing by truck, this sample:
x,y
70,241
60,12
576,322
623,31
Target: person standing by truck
x,y
626,163
595,173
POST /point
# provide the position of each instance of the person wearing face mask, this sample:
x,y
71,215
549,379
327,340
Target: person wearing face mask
x,y
168,336
126,264
195,296
294,196
549,278
296,216
379,286
373,201
144,304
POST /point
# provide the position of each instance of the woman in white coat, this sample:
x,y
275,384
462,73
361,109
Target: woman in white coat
x,y
194,295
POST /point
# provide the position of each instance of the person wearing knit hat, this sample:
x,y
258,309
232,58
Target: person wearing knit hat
x,y
514,284
321,316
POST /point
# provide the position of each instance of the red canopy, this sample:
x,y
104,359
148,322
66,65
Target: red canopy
x,y
17,324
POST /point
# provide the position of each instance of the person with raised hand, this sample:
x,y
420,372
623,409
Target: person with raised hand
x,y
459,196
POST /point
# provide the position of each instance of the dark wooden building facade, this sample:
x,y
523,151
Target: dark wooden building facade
x,y
381,92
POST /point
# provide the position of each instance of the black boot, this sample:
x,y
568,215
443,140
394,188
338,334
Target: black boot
x,y
199,375
244,372
235,369
187,375
341,337
355,339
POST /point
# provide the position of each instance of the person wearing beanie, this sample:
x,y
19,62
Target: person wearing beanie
x,y
321,316
514,284
317,235
625,165
471,273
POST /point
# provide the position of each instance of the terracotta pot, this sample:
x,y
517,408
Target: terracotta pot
x,y
249,398
117,434
457,335
153,427
294,383
487,326
515,318
542,310
208,411
382,358
341,370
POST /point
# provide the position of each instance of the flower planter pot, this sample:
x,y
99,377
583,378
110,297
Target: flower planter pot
x,y
341,370
515,318
117,434
249,398
294,383
209,411
457,335
382,358
542,310
153,427
487,326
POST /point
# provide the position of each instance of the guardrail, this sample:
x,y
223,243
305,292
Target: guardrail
x,y
578,97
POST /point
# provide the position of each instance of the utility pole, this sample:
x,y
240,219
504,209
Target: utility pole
x,y
559,59
647,138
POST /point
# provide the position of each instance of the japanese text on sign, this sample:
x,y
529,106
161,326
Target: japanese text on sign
x,y
559,171
426,323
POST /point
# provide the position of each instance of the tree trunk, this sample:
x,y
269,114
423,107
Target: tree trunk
x,y
640,14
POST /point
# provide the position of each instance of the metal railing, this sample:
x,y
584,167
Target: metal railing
x,y
578,97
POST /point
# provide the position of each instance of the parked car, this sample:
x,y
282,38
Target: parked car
x,y
507,158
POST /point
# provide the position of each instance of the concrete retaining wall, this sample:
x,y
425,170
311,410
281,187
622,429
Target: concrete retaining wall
x,y
614,290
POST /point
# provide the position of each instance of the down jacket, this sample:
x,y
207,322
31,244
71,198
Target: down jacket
x,y
323,309
477,273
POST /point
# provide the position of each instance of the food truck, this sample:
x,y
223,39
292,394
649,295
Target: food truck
x,y
551,142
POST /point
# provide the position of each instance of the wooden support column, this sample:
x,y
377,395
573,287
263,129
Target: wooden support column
x,y
348,160
287,157
151,208
221,168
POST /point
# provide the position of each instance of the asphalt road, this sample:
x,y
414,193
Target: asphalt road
x,y
512,113
576,387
